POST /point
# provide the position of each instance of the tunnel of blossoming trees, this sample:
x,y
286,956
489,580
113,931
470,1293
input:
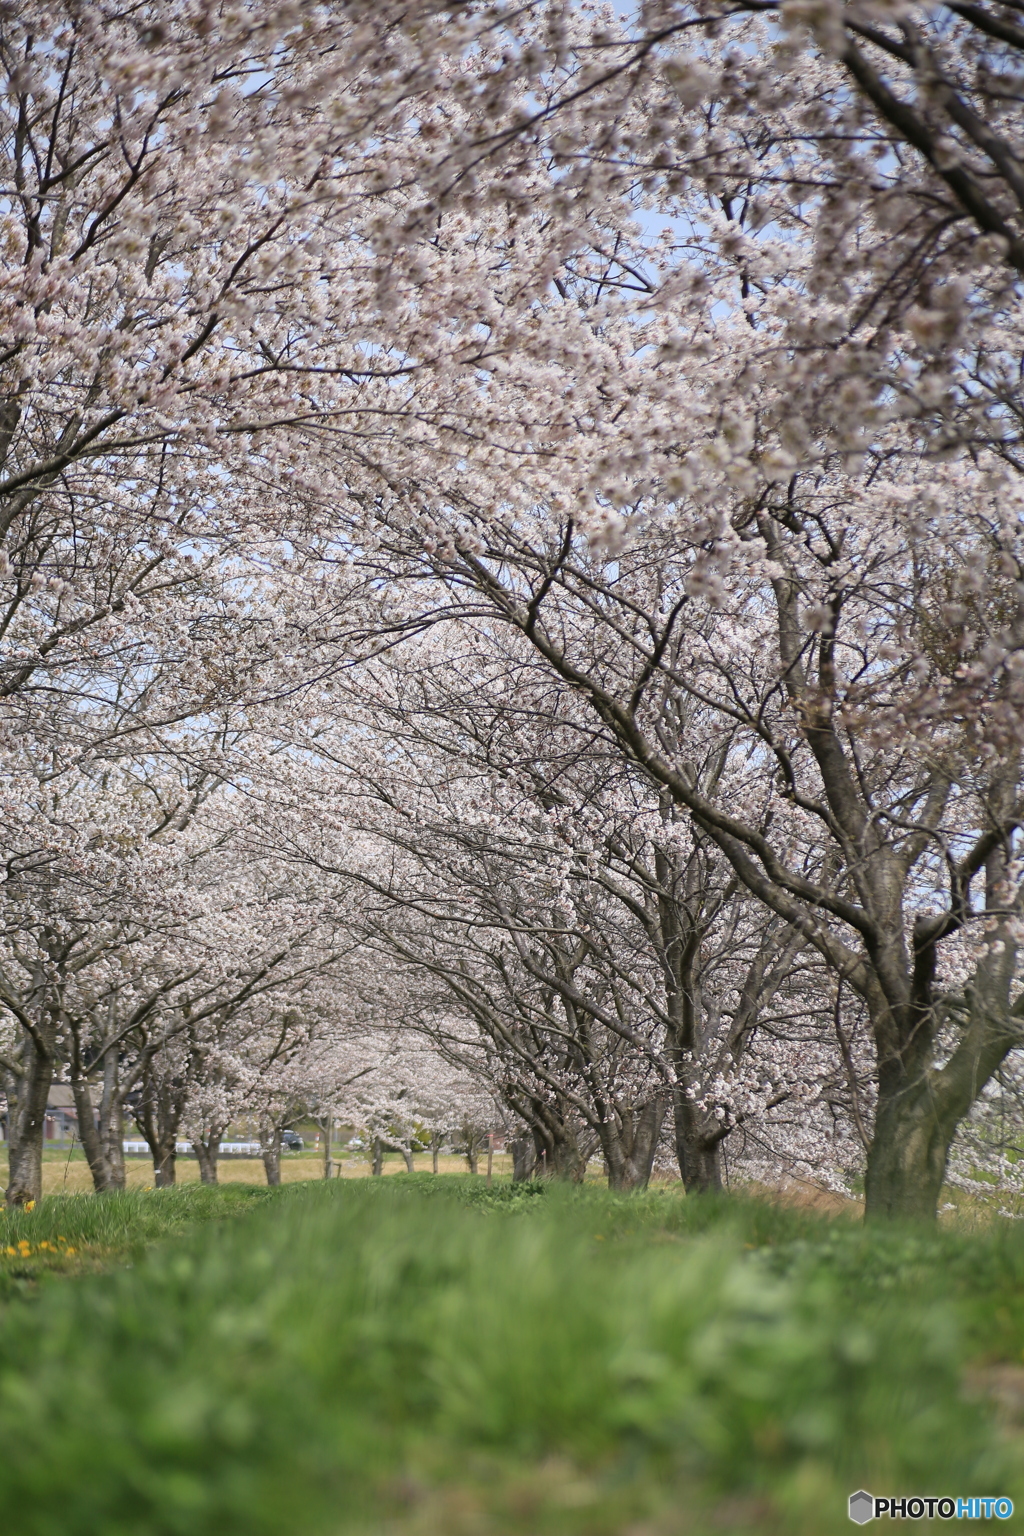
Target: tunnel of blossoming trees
x,y
511,586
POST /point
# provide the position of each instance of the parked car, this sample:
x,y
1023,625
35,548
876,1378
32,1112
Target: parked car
x,y
291,1141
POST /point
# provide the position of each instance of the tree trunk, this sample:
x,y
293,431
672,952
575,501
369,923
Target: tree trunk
x,y
328,1163
698,1147
524,1158
433,1154
113,1145
158,1117
112,1122
920,1105
471,1159
89,1136
410,1166
914,1129
629,1144
270,1140
207,1151
100,1128
102,1143
378,1156
25,1170
551,1148
906,1165
26,1126
559,1156
165,1163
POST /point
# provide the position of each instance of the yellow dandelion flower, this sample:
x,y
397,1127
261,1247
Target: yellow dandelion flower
x,y
13,1251
30,1205
69,1250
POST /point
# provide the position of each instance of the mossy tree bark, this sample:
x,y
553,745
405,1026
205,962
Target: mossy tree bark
x,y
920,1106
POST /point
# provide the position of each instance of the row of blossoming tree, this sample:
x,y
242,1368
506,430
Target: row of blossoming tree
x,y
511,531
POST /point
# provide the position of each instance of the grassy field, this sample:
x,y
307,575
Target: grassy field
x,y
420,1357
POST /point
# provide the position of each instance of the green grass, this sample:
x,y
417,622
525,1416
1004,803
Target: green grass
x,y
75,1234
430,1358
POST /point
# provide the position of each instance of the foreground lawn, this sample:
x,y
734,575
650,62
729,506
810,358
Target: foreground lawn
x,y
414,1357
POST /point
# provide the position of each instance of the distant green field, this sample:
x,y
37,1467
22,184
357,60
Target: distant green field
x,y
413,1357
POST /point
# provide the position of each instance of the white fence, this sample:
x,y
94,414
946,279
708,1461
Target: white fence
x,y
185,1149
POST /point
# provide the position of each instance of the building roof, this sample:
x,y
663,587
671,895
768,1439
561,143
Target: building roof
x,y
61,1096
